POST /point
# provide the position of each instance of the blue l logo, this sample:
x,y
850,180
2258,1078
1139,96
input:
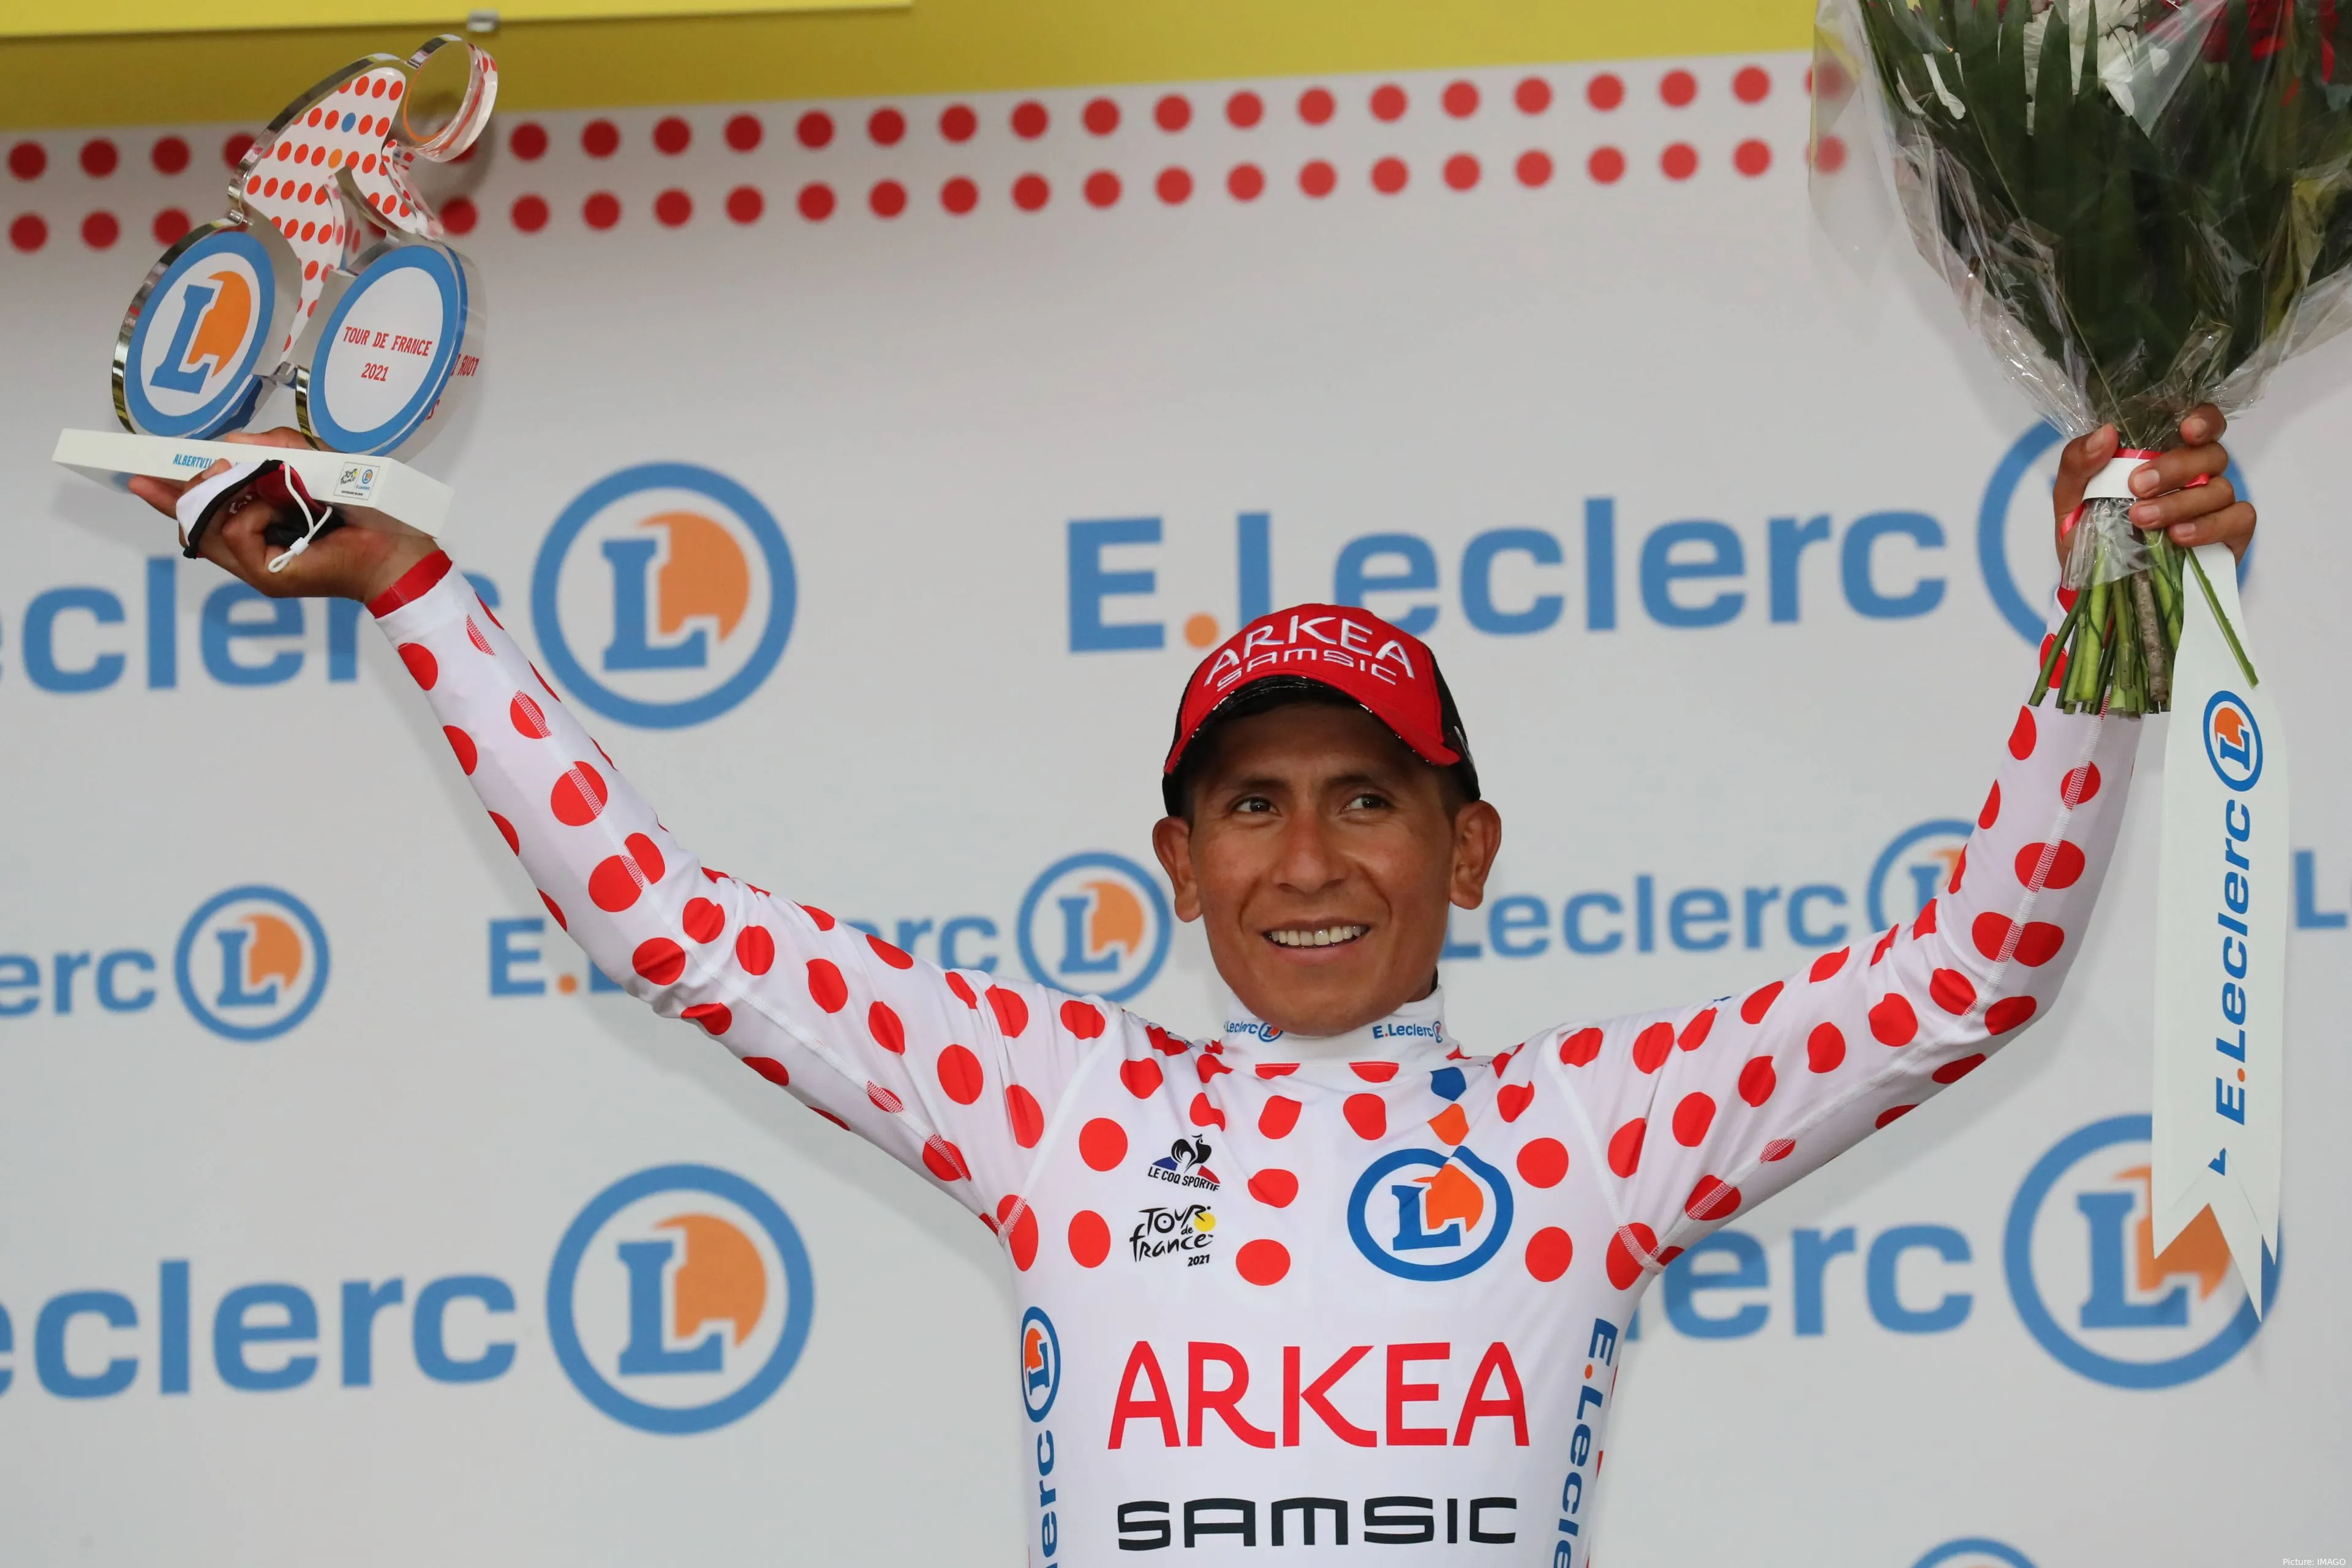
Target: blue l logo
x,y
175,373
648,1264
233,991
631,647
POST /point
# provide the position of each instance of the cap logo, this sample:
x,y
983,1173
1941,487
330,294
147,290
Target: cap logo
x,y
1305,640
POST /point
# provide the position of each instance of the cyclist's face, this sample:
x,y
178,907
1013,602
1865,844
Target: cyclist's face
x,y
1322,858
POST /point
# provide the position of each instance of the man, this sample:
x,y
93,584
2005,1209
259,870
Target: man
x,y
1330,1278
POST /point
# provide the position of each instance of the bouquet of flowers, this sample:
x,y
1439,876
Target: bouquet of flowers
x,y
2141,206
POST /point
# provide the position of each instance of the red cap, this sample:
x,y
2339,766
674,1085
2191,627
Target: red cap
x,y
1388,671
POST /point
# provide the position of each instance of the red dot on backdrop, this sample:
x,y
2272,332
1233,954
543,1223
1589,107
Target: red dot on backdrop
x,y
171,223
1174,186
1461,171
1101,116
1030,192
1751,84
1533,95
1317,179
1245,182
744,131
600,138
26,160
889,198
169,155
814,128
28,232
671,208
1315,105
99,157
1102,188
1680,160
1173,111
1244,109
1029,119
1607,165
745,204
1461,100
1751,158
1533,167
1830,156
1604,92
1389,176
672,135
528,213
959,195
233,150
100,230
1387,101
458,215
528,141
601,210
885,126
1677,87
957,122
817,202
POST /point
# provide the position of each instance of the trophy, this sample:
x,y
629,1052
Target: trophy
x,y
328,275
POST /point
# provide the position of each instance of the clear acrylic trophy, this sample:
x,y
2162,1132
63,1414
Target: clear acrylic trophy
x,y
328,275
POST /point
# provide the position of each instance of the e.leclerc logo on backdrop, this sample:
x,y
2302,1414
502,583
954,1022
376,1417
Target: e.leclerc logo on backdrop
x,y
1095,924
680,1300
1974,1551
664,595
251,962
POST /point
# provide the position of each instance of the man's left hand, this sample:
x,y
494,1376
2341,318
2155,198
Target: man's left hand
x,y
2189,513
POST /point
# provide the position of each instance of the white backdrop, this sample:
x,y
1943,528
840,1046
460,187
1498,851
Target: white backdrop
x,y
948,415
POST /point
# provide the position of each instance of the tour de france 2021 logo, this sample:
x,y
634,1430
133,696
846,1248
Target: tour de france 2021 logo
x,y
664,595
680,1299
1095,923
2090,1287
251,962
1426,1214
2233,741
1913,869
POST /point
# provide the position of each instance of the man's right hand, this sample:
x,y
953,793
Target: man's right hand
x,y
359,561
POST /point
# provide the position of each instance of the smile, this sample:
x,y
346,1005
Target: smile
x,y
1323,936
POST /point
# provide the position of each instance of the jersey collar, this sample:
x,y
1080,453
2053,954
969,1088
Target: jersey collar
x,y
1414,1035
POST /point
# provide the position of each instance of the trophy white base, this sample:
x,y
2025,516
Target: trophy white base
x,y
391,487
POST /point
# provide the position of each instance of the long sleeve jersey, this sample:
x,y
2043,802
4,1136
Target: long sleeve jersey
x,y
1369,1294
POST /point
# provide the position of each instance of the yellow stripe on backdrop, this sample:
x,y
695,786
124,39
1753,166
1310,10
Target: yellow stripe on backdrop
x,y
937,46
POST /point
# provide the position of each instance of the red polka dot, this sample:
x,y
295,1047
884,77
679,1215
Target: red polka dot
x,y
1142,1075
1759,1002
1992,811
885,127
944,1160
957,122
2058,865
884,1099
618,880
755,949
743,131
1950,990
556,910
1992,934
813,129
771,1069
816,202
1959,870
745,204
463,744
1751,84
1712,1198
894,956
1262,1262
959,195
1677,87
1693,1114
2021,736
1604,92
1824,1048
1315,106
1460,99
1543,1162
1581,1047
1029,119
1387,101
1924,926
1100,116
1021,1238
1624,1265
1374,1072
578,796
826,987
1030,192
26,160
1953,1071
1173,112
1892,1020
422,666
1245,109
818,918
528,141
673,208
1533,95
1757,1080
714,1017
1174,185
1533,168
528,718
1389,176
1102,1144
1606,165
702,921
962,989
1751,157
2039,943
2080,784
659,960
1652,1047
600,138
1318,178
1367,1114
1083,1019
1026,1116
233,150
1089,1239
1274,1187
1679,161
1894,1114
1695,1032
1275,1069
1245,182
169,155
1204,1112
887,198
1829,963
1625,1146
1461,172
1280,1115
1778,1148
1550,1251
672,135
170,225
829,1116
506,832
528,213
1012,1012
1513,1099
601,210
99,157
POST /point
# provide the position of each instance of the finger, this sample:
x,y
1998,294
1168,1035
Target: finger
x,y
283,435
2232,525
2203,424
2182,466
2081,459
2184,506
164,495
